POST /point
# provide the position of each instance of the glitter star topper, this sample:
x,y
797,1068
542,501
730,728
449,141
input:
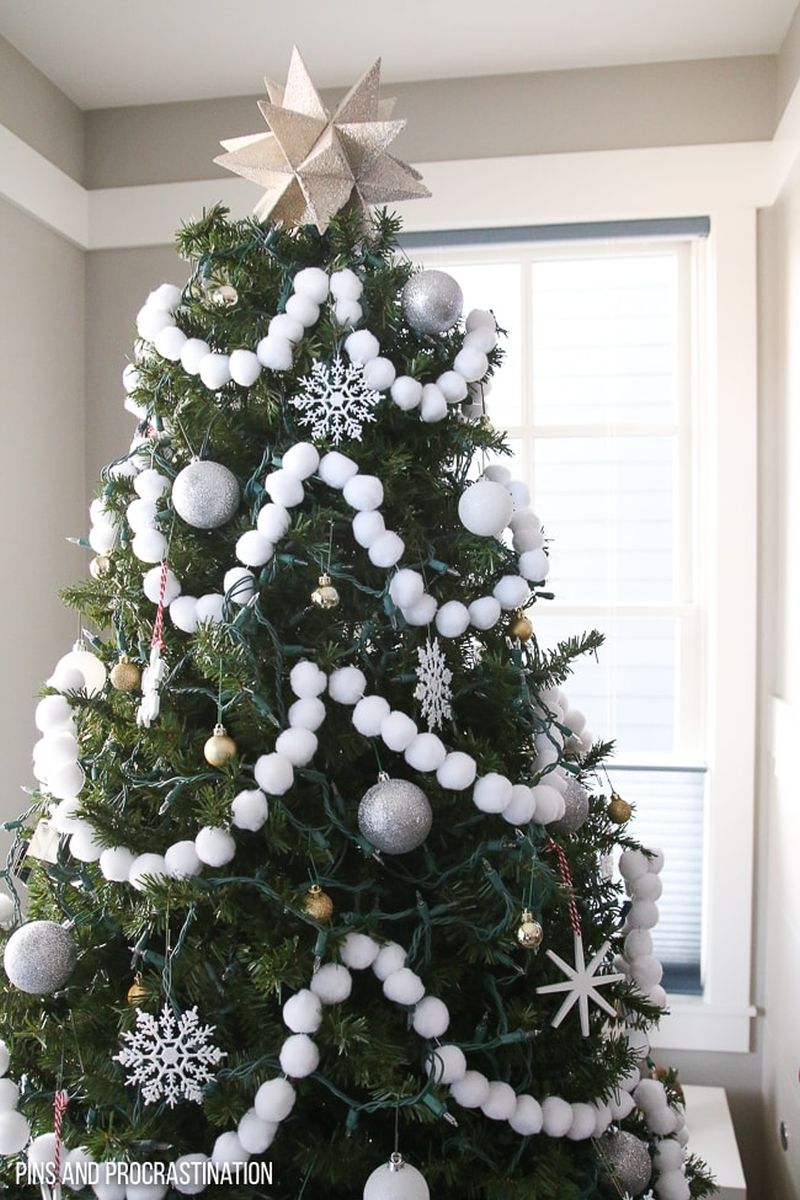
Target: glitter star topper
x,y
313,164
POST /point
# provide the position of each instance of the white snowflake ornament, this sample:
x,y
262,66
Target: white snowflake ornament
x,y
335,401
581,984
169,1056
433,688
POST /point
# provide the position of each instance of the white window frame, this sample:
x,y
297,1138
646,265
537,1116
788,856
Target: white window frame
x,y
723,435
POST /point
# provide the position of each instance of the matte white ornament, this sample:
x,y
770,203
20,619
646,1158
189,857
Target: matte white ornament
x,y
284,326
364,492
183,613
335,469
256,1136
298,745
193,352
253,549
396,1180
249,809
501,1102
210,608
452,619
527,539
239,585
512,591
484,613
406,587
522,806
492,793
386,550
379,374
244,367
485,508
368,527
647,972
433,406
303,309
621,1106
284,488
662,1122
307,714
273,521
426,752
422,611
332,983
274,1100
312,282
215,371
534,565
369,714
302,1012
362,346
149,546
307,680
390,958
299,1056
359,951
638,944
215,847
274,774
452,386
446,1064
403,987
275,353
406,392
527,1117
151,585
102,537
347,685
457,772
471,1090
398,731
431,1017
478,317
301,460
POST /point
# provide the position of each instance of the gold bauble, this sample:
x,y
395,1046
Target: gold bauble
x,y
520,627
324,594
486,423
137,992
219,747
125,676
101,566
318,904
530,932
619,811
224,296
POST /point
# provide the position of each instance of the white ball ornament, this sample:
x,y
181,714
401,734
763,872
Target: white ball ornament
x,y
215,371
312,282
398,731
149,545
284,488
42,1149
527,1117
244,367
431,1017
307,680
250,809
406,392
239,584
182,860
347,685
369,714
556,1116
307,714
457,772
273,521
274,1100
389,959
298,745
445,1064
301,460
286,327
151,585
256,1136
362,346
484,613
492,793
275,353
147,868
638,1042
655,861
336,469
662,1121
274,774
364,492
485,508
512,591
406,587
433,406
396,1180
183,613
426,752
253,549
422,611
303,309
302,1012
379,374
403,987
193,352
14,1132
359,951
452,386
89,665
102,537
534,565
638,944
650,1095
210,608
527,539
471,1090
501,1102
299,1056
332,983
647,971
522,805
387,549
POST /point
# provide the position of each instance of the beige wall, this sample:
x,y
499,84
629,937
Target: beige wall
x,y
42,481
35,110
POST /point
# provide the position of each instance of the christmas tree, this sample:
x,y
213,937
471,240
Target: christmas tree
x,y
318,863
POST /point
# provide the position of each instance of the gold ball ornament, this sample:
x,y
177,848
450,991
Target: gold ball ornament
x,y
318,904
619,810
530,932
125,676
224,296
325,594
219,747
101,566
520,627
137,992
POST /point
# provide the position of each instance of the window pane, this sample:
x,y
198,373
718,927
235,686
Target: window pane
x,y
607,504
605,339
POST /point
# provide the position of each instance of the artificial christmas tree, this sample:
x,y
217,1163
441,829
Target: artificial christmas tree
x,y
315,875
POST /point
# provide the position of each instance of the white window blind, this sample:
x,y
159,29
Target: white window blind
x,y
597,394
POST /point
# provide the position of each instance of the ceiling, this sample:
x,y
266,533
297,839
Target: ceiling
x,y
105,53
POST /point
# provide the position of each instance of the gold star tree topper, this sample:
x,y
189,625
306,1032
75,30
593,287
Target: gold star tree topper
x,y
313,164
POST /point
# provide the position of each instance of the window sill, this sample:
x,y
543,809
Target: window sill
x,y
694,1024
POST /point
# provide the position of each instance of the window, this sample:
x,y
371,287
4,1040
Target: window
x,y
600,394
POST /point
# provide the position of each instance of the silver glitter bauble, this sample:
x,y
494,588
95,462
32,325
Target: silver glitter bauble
x,y
205,494
39,957
395,816
576,801
625,1161
396,1180
432,301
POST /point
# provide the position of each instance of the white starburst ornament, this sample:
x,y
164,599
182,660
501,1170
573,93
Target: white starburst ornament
x,y
335,401
433,688
581,984
169,1057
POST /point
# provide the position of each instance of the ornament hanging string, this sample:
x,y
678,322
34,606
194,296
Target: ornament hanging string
x,y
157,641
60,1102
566,878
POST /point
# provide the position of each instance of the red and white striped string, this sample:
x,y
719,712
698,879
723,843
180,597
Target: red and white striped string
x,y
157,640
566,877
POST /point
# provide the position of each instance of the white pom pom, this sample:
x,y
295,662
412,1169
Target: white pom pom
x,y
131,378
632,864
151,484
182,860
307,714
65,781
336,469
471,1091
42,1149
227,1149
471,363
150,322
253,549
501,1103
249,809
301,460
63,818
239,583
210,608
668,1156
406,392
452,386
650,1095
643,914
214,846
426,752
387,550
657,996
151,585
522,806
303,309
584,1119
479,317
359,951
140,514
457,772
527,1117
284,326
406,588
348,312
452,619
274,1100
14,1132
638,1042
284,488
369,714
446,1064
534,565
144,868
398,731
312,282
102,537
332,983
364,492
431,1017
215,371
646,887
306,680
621,1105
647,972
422,612
638,944
183,613
379,374
275,353
433,406
167,296
512,591
345,285
302,1012
362,346
403,987
255,1135
149,546
484,338
52,713
299,1056
662,1121
244,367
655,861
9,1095
347,685
84,846
492,793
390,958
673,1185
6,920
298,745
273,521
484,612
549,804
274,774
556,1116
368,527
629,1081
682,1136
193,352
520,494
527,539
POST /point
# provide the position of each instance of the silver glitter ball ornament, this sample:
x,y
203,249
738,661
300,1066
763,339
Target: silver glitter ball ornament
x,y
205,494
625,1161
395,816
432,301
39,957
576,800
396,1180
